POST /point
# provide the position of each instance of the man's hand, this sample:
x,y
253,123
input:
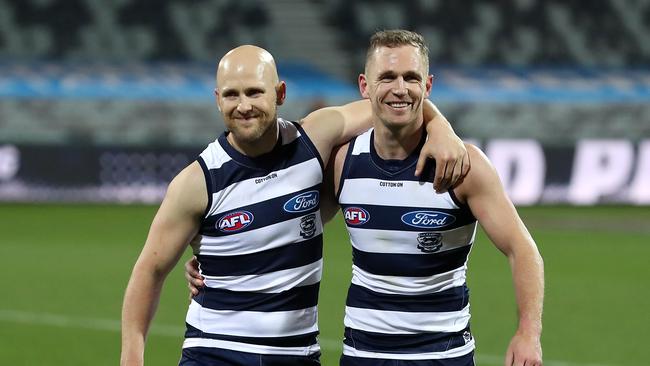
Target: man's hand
x,y
193,277
445,147
450,154
524,350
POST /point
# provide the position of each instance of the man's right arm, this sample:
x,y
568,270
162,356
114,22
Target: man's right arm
x,y
332,126
174,225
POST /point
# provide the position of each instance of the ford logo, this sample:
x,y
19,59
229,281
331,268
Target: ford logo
x,y
235,221
302,202
427,219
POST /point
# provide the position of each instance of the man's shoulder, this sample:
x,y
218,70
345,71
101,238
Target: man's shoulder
x,y
476,154
481,175
190,177
189,188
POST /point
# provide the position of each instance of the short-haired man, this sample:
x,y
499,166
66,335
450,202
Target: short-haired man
x,y
408,303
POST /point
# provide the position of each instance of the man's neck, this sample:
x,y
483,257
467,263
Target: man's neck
x,y
397,143
260,146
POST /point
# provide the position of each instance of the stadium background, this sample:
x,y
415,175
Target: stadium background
x,y
102,102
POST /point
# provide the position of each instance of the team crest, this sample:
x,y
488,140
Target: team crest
x,y
308,226
467,336
429,242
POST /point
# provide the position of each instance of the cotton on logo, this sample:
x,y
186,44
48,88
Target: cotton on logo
x,y
356,216
235,221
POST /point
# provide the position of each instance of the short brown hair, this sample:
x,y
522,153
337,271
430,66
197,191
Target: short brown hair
x,y
397,38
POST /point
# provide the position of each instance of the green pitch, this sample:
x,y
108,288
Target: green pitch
x,y
64,269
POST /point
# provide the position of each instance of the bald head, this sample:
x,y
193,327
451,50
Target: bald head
x,y
248,94
247,62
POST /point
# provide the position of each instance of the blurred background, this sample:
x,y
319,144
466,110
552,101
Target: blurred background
x,y
106,100
102,102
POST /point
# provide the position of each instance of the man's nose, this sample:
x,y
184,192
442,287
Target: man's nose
x,y
244,105
400,86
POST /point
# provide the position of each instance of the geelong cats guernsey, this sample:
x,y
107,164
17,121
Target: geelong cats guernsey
x,y
408,299
259,248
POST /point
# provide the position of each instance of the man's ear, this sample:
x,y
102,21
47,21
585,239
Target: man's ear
x,y
280,92
216,98
363,86
428,85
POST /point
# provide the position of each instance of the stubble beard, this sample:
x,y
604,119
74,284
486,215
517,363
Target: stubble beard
x,y
251,134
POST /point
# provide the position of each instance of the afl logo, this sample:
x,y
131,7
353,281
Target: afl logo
x,y
235,221
356,216
302,202
427,219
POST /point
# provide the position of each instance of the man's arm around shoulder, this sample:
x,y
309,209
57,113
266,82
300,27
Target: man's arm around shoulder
x,y
332,126
174,225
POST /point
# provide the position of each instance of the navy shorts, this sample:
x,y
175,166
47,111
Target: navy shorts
x,y
466,360
206,356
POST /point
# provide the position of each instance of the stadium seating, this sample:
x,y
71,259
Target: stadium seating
x,y
612,33
553,70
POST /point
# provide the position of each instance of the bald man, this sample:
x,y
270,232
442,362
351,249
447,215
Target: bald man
x,y
250,208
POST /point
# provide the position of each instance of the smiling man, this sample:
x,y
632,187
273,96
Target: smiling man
x,y
408,303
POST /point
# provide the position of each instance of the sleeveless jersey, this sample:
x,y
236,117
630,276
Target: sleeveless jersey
x,y
259,248
408,299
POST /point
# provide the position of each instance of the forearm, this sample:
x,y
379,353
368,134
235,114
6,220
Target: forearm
x,y
140,303
528,276
357,118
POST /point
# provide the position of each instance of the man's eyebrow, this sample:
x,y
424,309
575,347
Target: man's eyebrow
x,y
389,73
413,74
254,89
229,91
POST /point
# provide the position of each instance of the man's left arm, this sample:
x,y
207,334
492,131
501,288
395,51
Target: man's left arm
x,y
497,215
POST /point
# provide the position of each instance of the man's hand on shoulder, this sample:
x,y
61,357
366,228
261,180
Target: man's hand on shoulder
x,y
449,153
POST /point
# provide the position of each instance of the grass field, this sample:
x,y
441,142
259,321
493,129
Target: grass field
x,y
64,269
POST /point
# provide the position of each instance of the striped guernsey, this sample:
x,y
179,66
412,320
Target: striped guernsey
x,y
408,299
260,249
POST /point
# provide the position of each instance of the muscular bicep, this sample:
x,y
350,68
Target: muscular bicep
x,y
490,204
176,222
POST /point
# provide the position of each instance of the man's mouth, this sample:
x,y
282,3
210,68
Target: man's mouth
x,y
399,105
248,117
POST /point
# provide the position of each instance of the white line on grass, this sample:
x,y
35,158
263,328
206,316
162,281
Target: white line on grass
x,y
112,325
